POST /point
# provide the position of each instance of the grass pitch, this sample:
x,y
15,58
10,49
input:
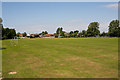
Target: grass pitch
x,y
60,58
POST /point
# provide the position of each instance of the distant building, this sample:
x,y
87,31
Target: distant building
x,y
20,35
49,36
34,35
28,35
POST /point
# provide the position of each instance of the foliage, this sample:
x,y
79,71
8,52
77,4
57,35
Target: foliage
x,y
103,34
84,33
59,30
43,33
93,29
62,34
65,34
114,29
8,33
18,34
24,34
1,20
1,27
71,32
76,31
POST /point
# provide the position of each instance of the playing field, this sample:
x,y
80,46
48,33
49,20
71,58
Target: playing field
x,y
61,58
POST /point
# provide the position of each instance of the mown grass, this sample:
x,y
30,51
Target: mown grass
x,y
61,58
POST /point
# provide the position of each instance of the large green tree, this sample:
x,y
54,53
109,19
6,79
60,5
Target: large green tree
x,y
6,32
59,30
1,27
114,29
93,29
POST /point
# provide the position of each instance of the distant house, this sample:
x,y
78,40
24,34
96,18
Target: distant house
x,y
49,36
28,35
20,35
34,35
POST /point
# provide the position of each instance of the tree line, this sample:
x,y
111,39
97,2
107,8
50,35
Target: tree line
x,y
6,33
92,31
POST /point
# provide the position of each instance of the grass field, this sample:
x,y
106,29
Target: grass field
x,y
61,58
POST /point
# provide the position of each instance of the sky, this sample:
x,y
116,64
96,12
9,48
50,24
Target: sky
x,y
35,17
59,0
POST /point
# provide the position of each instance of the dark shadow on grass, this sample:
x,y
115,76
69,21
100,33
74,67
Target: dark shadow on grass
x,y
2,48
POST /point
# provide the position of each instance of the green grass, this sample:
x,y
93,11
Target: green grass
x,y
61,58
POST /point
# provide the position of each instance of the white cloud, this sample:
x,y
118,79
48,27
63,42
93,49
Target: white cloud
x,y
115,5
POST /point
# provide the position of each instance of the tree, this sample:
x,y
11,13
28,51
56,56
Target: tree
x,y
62,34
1,20
12,33
71,32
80,34
93,29
76,31
1,28
84,33
114,29
18,34
65,34
103,34
59,30
24,34
45,32
8,33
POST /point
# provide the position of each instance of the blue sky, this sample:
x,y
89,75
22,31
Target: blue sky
x,y
60,0
34,17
